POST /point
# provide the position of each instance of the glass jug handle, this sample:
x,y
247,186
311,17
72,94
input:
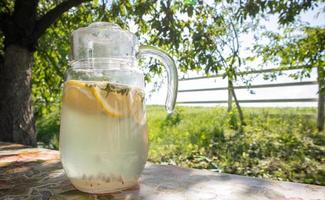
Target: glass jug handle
x,y
171,72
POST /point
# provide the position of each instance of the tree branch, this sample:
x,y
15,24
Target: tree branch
x,y
24,14
2,22
222,58
51,16
5,23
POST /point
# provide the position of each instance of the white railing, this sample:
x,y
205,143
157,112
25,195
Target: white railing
x,y
319,82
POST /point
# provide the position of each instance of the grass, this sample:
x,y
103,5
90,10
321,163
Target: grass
x,y
276,143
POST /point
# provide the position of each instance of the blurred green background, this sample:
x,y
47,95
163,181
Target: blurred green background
x,y
276,143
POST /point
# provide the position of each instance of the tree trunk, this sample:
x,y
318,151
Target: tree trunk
x,y
229,96
240,112
321,98
21,29
16,113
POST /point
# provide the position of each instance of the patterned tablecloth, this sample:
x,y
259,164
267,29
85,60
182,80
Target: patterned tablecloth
x,y
34,173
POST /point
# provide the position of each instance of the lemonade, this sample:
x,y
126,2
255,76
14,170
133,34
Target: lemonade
x,y
103,139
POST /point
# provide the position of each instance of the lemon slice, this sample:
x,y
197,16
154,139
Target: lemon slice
x,y
113,99
114,103
78,95
136,106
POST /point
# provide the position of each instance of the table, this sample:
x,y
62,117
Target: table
x,y
35,173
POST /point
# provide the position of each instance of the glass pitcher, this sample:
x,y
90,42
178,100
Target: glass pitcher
x,y
103,134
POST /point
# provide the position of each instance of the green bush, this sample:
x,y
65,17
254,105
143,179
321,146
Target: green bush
x,y
48,128
276,143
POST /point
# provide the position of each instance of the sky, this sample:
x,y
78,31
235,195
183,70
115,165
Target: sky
x,y
309,91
